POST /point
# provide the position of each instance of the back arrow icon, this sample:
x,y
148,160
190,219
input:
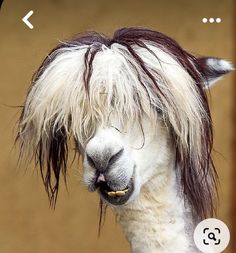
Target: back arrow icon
x,y
26,21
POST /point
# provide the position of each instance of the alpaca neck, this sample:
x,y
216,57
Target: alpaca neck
x,y
158,222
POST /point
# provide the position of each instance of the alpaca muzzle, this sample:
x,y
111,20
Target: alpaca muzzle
x,y
115,197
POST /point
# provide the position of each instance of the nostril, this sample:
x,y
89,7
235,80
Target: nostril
x,y
104,160
90,161
97,162
115,157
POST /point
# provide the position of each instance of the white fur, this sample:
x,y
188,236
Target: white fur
x,y
60,92
220,65
155,219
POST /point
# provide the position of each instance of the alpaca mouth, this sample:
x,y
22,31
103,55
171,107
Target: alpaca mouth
x,y
118,197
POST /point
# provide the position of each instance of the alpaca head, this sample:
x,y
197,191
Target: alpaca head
x,y
133,104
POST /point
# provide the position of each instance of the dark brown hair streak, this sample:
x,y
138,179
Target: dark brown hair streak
x,y
199,188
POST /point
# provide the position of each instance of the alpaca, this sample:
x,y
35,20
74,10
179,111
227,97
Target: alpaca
x,y
135,106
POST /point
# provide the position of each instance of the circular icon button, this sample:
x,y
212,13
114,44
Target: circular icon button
x,y
211,236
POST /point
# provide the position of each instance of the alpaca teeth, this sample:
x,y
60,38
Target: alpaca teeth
x,y
111,194
118,193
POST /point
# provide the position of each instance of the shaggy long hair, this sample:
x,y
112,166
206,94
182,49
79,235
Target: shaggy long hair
x,y
137,72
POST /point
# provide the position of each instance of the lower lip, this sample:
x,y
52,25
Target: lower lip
x,y
118,200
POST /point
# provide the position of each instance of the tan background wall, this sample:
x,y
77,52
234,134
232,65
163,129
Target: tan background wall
x,y
26,223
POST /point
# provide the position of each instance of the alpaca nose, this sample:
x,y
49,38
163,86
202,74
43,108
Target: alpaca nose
x,y
102,161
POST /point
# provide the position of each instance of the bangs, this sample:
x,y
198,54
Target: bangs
x,y
135,73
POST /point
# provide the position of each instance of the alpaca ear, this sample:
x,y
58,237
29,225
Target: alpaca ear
x,y
214,69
